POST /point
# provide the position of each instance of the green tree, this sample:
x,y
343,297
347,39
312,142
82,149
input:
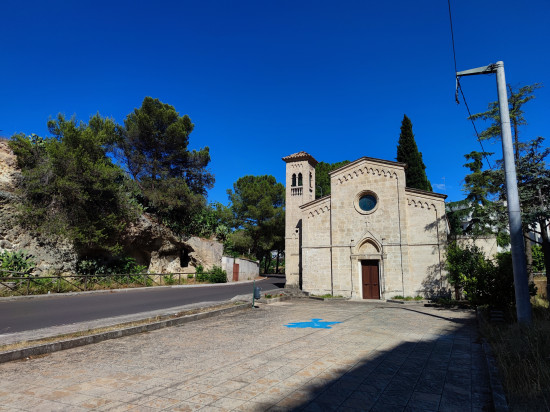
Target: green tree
x,y
407,152
532,172
71,188
172,179
257,203
322,178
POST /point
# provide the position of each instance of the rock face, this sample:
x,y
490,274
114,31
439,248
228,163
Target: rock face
x,y
49,255
157,247
150,243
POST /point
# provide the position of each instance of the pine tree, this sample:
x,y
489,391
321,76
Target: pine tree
x,y
407,152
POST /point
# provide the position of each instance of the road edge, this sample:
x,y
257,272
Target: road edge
x,y
46,348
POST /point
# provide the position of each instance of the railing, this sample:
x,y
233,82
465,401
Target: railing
x,y
296,191
19,283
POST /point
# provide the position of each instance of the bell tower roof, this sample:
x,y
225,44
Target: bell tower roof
x,y
300,156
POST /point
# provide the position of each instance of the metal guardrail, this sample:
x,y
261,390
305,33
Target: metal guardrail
x,y
19,283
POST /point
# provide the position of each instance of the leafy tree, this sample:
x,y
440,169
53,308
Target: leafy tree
x,y
71,188
322,178
407,152
532,173
517,98
172,179
257,204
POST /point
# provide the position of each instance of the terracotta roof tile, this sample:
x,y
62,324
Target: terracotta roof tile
x,y
300,156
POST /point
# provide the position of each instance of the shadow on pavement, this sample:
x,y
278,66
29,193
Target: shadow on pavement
x,y
446,373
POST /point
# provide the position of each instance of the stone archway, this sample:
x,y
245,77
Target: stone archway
x,y
367,256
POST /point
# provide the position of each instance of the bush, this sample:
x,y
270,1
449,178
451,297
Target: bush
x,y
483,281
19,261
216,275
126,266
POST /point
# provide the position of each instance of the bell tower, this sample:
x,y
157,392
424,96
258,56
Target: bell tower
x,y
300,189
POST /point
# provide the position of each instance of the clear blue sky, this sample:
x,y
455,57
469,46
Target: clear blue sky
x,y
263,79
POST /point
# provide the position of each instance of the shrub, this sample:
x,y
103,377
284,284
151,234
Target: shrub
x,y
217,275
19,261
483,281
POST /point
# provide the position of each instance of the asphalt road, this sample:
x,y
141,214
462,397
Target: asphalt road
x,y
18,315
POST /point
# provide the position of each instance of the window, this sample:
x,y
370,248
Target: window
x,y
300,183
366,202
294,180
310,179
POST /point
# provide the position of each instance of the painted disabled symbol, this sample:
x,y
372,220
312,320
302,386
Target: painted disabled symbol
x,y
315,323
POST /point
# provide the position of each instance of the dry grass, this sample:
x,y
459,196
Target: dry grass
x,y
67,336
523,358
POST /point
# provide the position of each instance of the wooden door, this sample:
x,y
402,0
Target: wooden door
x,y
370,278
235,272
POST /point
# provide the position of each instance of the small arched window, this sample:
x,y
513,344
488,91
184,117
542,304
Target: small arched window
x,y
300,183
294,180
310,179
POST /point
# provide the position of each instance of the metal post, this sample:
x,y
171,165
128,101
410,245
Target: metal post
x,y
253,292
519,263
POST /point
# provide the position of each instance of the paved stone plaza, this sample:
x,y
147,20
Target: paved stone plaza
x,y
381,357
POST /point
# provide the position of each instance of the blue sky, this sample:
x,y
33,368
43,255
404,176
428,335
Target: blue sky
x,y
264,79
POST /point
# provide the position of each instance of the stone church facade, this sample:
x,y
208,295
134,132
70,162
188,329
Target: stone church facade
x,y
371,238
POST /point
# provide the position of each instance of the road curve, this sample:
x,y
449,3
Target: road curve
x,y
18,315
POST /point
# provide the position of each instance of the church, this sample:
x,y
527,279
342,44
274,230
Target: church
x,y
371,238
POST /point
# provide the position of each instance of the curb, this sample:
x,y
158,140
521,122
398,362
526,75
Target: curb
x,y
99,337
500,403
409,302
267,301
499,398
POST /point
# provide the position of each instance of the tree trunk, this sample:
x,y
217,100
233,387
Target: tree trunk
x,y
529,255
266,265
277,263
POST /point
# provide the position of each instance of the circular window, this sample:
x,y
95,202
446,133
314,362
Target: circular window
x,y
366,202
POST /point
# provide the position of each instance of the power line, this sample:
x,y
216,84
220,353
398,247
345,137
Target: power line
x,y
473,124
458,87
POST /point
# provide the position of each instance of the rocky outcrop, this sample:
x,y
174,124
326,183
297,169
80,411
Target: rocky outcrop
x,y
49,254
157,247
149,242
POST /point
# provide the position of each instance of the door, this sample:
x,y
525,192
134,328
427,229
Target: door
x,y
370,277
235,272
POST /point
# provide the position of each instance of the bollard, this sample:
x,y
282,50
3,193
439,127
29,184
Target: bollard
x,y
256,293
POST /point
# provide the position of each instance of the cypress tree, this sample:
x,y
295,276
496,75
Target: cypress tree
x,y
407,152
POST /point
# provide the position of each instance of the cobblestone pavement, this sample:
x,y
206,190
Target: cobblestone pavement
x,y
381,357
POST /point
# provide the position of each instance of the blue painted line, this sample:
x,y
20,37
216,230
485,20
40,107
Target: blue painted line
x,y
315,323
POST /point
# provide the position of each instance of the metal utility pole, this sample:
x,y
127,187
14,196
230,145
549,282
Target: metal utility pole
x,y
519,263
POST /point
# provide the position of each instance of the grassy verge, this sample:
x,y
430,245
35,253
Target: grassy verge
x,y
407,298
523,358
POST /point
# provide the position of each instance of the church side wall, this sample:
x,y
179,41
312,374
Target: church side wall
x,y
316,253
427,238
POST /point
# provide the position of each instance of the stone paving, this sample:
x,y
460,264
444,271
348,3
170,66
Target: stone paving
x,y
381,357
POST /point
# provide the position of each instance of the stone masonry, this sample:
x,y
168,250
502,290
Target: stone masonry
x,y
329,240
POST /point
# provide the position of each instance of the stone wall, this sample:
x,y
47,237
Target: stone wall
x,y
248,269
427,230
